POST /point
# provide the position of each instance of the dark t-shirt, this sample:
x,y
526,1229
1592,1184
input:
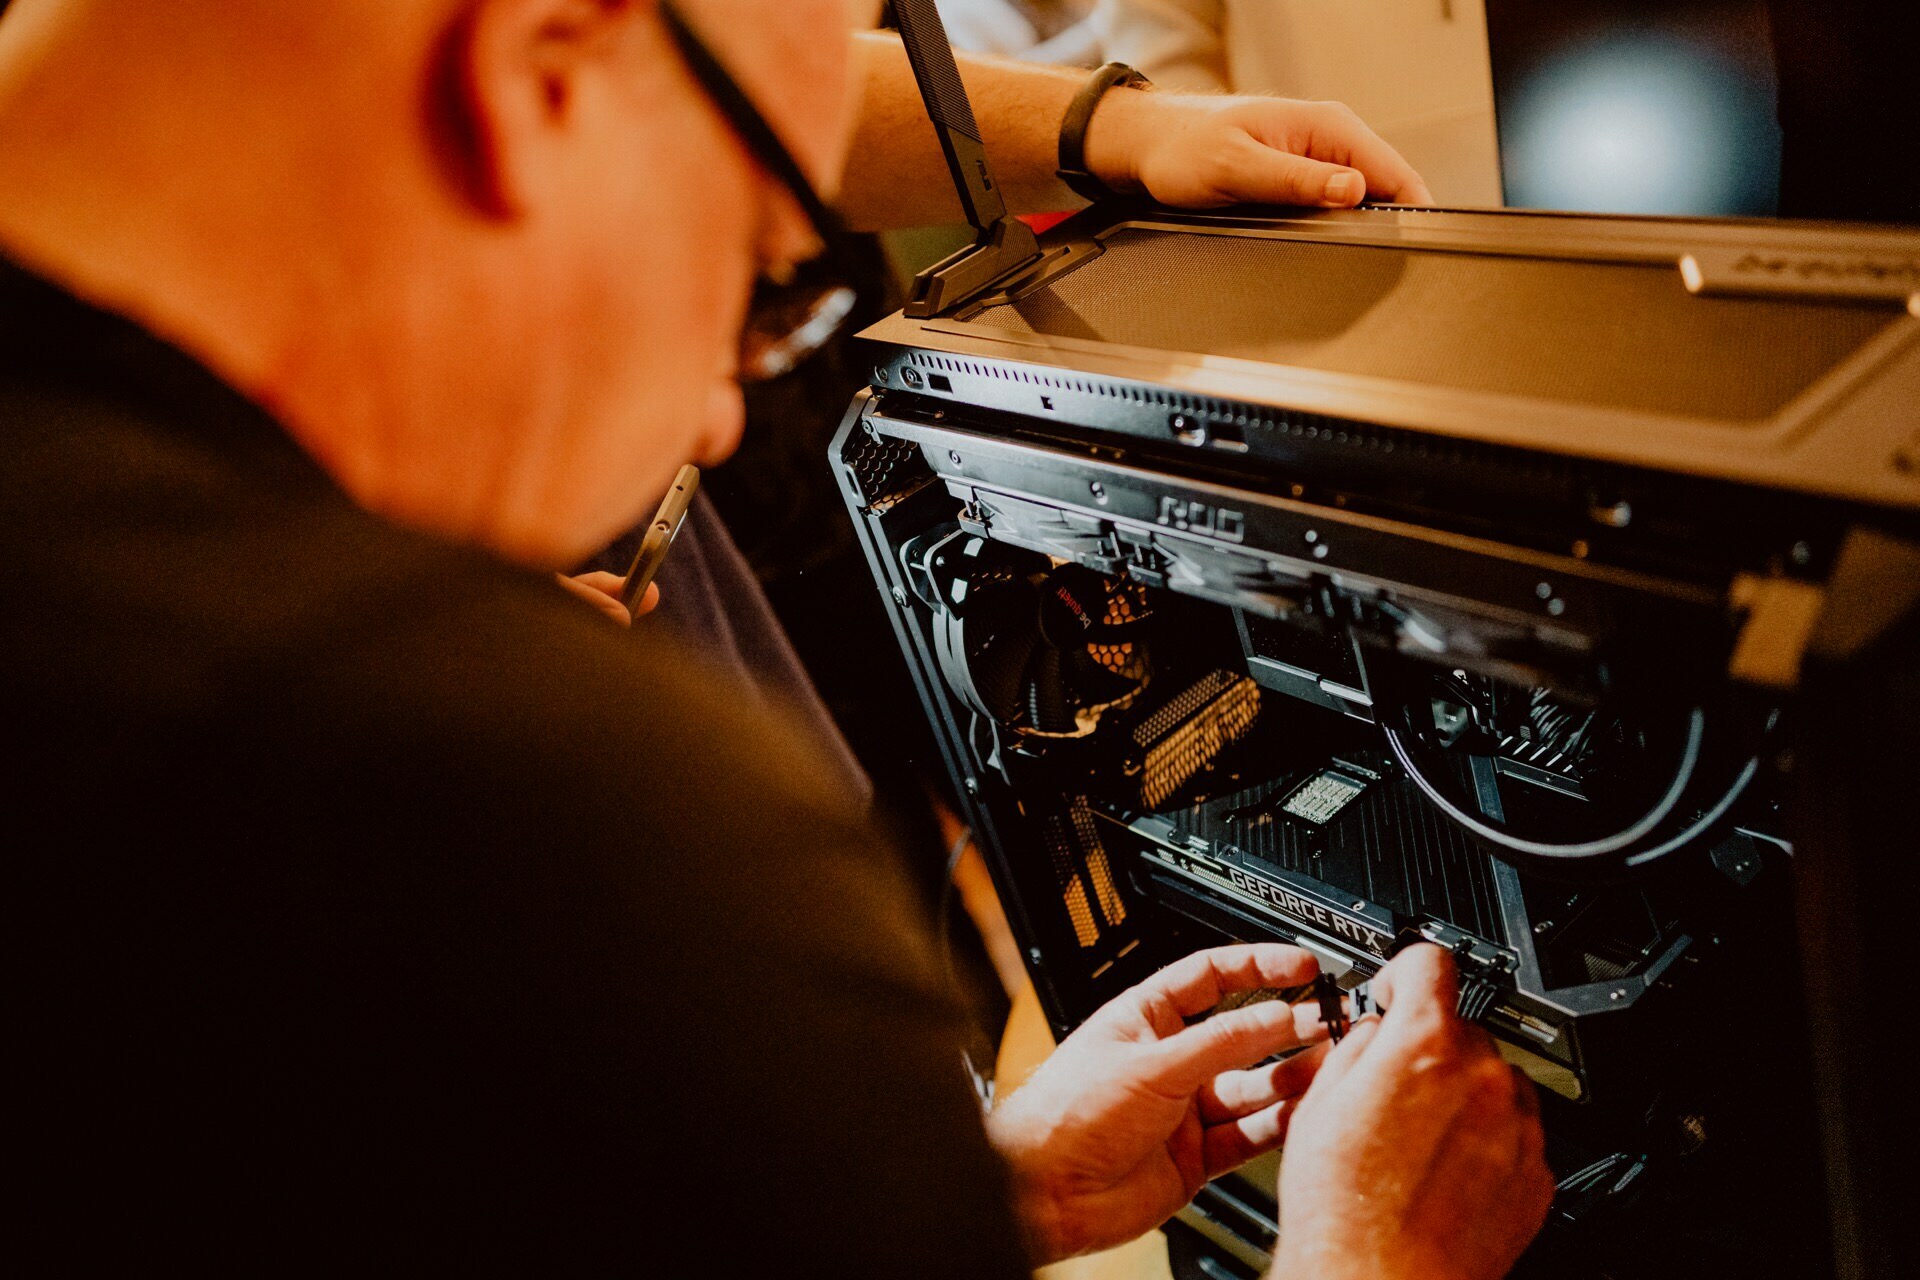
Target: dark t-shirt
x,y
376,903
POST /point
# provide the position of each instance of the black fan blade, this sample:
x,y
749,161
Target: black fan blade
x,y
999,634
1050,706
1095,675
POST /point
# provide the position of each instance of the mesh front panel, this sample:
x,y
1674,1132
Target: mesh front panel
x,y
1622,336
1079,859
883,468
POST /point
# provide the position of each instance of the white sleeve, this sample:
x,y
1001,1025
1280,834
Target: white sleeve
x,y
987,26
1175,43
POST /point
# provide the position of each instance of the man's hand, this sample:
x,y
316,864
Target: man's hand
x,y
602,590
1200,152
1417,1153
1136,1110
1192,150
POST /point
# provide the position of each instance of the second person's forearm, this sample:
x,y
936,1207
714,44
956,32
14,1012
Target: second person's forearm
x,y
897,175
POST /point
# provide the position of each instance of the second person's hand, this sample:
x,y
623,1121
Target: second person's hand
x,y
1197,151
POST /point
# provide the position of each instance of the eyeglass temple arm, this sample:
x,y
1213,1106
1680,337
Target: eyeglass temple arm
x,y
1002,244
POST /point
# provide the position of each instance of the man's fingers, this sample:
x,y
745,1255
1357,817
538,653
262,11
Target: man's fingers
x,y
601,590
1341,1057
1420,1026
1274,151
1334,134
1423,1073
607,584
1234,1094
1186,1062
1193,985
1419,986
1339,134
1266,175
1389,176
1418,990
1225,1147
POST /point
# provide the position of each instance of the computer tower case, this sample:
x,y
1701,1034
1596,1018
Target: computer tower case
x,y
1540,586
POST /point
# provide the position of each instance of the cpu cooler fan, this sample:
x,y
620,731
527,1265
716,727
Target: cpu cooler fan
x,y
1038,648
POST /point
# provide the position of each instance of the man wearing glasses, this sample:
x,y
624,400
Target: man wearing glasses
x,y
377,906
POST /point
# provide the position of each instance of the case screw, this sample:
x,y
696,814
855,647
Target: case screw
x,y
1033,954
900,596
953,456
1099,492
911,377
1187,429
880,374
973,786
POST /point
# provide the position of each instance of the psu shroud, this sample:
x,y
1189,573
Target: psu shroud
x,y
1541,586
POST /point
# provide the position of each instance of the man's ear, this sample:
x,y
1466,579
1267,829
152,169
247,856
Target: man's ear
x,y
508,84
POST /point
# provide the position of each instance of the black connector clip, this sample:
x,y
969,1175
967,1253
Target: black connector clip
x,y
1333,1012
1003,246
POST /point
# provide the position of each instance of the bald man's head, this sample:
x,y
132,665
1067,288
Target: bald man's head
x,y
486,258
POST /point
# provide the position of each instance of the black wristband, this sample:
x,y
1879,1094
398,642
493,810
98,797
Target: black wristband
x,y
1073,130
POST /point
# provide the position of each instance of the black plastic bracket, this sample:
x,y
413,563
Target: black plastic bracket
x,y
1003,246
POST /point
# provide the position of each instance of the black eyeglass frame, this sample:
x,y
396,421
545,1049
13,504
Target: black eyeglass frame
x,y
808,315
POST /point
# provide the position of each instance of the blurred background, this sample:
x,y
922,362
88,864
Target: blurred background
x,y
1792,108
